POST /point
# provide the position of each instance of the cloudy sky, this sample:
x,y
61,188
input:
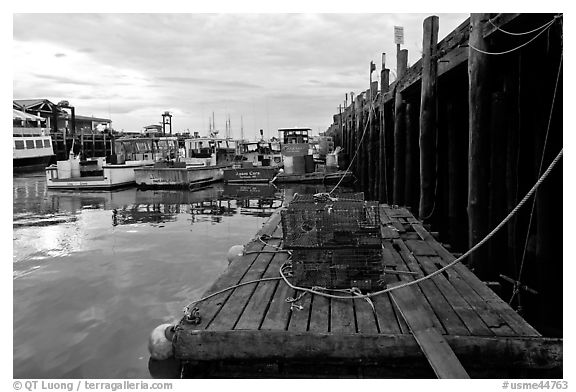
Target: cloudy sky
x,y
275,70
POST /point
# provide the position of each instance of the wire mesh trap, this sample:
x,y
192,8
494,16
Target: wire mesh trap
x,y
335,241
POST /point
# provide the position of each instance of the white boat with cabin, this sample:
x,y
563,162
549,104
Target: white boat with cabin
x,y
114,171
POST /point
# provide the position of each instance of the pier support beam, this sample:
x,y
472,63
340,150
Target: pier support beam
x,y
399,149
412,178
372,167
478,155
384,87
399,130
428,119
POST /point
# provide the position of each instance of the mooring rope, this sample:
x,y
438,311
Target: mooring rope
x,y
451,264
516,288
525,32
514,49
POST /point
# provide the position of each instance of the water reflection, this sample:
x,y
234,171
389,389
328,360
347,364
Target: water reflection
x,y
102,269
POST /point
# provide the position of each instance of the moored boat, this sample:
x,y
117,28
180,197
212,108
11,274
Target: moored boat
x,y
256,161
115,171
204,161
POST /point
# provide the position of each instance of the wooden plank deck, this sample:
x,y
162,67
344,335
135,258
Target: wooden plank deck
x,y
452,323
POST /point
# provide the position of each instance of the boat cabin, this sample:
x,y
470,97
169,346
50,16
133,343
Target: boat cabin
x,y
260,153
205,151
146,149
294,135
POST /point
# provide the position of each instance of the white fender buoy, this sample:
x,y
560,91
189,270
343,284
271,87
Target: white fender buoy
x,y
234,252
160,342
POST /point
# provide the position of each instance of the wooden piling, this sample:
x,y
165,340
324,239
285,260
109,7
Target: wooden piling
x,y
411,161
399,150
478,155
401,63
358,133
373,143
428,125
384,87
499,127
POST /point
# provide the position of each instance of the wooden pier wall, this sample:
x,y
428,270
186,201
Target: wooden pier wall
x,y
459,139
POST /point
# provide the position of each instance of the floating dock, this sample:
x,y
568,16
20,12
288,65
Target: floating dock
x,y
448,326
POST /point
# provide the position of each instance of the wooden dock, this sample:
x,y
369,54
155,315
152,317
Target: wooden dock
x,y
449,326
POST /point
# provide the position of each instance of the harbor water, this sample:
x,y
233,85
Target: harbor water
x,y
95,272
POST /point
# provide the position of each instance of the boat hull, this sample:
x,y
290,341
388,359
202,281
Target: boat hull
x,y
114,176
30,163
260,174
175,177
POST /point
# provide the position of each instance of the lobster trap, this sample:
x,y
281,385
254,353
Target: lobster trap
x,y
335,241
338,268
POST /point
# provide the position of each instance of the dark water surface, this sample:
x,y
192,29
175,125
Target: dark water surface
x,y
95,272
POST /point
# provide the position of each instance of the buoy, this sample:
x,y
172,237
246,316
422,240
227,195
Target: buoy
x,y
160,342
234,252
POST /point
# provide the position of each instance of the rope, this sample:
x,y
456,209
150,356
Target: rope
x,y
431,275
516,286
187,308
526,32
357,149
511,50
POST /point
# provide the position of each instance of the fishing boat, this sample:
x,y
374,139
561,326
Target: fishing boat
x,y
299,164
202,162
255,161
32,145
114,171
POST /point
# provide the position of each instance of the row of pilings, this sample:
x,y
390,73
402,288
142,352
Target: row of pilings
x,y
461,136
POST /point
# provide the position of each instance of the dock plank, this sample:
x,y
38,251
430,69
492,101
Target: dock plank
x,y
419,318
232,276
234,306
320,314
470,318
440,305
489,298
300,317
405,278
365,317
253,314
490,317
278,314
342,318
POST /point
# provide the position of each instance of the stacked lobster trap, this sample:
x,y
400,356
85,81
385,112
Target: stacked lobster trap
x,y
335,241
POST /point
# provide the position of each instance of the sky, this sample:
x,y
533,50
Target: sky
x,y
270,70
